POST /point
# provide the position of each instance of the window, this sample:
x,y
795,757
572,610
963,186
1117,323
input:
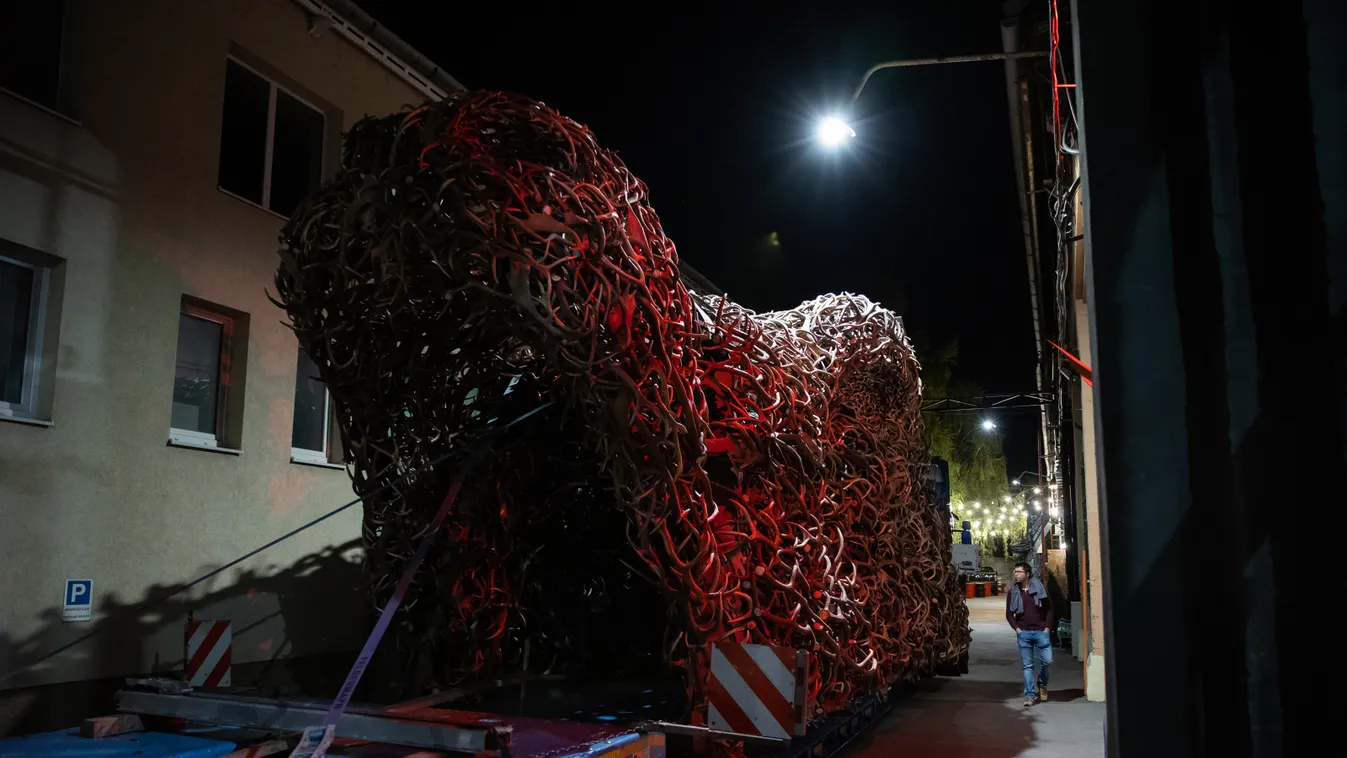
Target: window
x,y
271,142
1054,537
312,433
30,50
24,291
201,378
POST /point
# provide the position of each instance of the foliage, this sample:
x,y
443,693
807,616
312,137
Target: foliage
x,y
977,465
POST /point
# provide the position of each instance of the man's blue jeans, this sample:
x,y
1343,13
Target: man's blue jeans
x,y
1031,644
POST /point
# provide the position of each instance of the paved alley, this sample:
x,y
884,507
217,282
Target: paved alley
x,y
981,715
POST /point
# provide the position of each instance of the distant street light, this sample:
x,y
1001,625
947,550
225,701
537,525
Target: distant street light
x,y
833,132
1015,482
988,424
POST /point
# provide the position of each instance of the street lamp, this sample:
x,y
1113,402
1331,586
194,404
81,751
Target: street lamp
x,y
833,132
946,59
988,424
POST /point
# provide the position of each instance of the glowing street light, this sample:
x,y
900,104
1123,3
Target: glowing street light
x,y
832,131
988,424
1015,482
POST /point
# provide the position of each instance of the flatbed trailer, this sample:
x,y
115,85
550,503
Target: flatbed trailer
x,y
164,719
197,724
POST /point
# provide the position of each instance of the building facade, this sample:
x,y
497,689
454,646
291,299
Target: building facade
x,y
157,419
1042,99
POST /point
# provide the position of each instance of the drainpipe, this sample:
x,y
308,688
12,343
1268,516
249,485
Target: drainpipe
x,y
1022,142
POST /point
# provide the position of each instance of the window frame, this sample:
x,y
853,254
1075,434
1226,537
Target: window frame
x,y
269,148
191,437
27,409
331,440
60,107
1054,536
317,457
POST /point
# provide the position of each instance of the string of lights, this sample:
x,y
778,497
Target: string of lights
x,y
1016,514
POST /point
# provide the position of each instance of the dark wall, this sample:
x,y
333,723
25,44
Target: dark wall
x,y
1217,261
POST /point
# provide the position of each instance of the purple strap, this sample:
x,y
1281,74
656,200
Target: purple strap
x,y
386,617
391,607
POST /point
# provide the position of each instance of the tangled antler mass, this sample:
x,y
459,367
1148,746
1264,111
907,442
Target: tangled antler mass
x,y
756,477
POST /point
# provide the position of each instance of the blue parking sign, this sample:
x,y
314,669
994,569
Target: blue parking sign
x,y
79,600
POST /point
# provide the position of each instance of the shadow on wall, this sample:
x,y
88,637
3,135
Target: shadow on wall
x,y
312,599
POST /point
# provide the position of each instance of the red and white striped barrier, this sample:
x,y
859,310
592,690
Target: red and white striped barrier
x,y
209,646
752,690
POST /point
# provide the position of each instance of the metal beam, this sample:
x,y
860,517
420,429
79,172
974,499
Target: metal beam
x,y
686,730
996,402
292,717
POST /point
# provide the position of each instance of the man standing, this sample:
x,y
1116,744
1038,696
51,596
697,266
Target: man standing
x,y
1029,612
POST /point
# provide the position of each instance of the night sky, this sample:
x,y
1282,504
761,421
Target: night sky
x,y
716,113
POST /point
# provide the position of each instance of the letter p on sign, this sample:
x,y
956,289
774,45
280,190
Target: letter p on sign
x,y
78,603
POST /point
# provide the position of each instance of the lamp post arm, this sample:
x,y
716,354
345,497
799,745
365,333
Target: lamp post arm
x,y
946,59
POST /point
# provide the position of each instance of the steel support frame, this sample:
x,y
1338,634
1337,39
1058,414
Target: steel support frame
x,y
993,402
831,734
279,715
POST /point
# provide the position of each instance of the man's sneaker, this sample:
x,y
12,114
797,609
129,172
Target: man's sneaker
x,y
1043,693
1028,701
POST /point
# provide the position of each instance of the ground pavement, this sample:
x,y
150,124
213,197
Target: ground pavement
x,y
981,714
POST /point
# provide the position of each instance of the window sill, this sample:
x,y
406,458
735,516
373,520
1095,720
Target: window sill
x,y
189,445
251,203
318,464
45,108
26,421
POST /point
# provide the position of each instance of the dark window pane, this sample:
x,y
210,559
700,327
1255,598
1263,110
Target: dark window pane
x,y
243,132
309,430
16,308
196,383
297,158
30,49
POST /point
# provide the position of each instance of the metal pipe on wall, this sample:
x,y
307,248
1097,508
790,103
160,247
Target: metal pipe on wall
x,y
1022,143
